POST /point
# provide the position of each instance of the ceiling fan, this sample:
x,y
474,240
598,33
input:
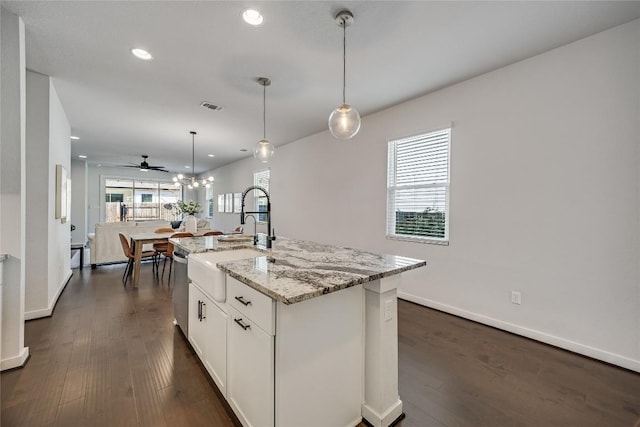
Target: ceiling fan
x,y
144,166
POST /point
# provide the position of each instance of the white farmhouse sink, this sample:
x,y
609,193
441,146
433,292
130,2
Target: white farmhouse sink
x,y
203,271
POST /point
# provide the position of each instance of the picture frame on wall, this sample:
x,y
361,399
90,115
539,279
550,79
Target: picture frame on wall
x,y
220,202
237,202
228,203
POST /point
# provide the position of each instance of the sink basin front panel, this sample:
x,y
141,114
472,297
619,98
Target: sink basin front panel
x,y
203,271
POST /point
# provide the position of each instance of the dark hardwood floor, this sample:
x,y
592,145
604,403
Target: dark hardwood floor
x,y
110,356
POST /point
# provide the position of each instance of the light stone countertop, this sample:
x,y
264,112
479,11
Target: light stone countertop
x,y
297,270
195,245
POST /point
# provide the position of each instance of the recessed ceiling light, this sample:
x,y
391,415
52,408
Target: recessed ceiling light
x,y
82,156
252,17
211,155
142,54
74,137
187,167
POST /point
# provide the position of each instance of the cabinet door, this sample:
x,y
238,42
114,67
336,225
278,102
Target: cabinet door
x,y
251,368
196,325
215,344
208,335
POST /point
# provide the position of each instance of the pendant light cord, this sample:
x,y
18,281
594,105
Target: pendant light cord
x,y
264,112
193,156
344,59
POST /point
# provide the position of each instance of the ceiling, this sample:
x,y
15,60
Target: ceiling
x,y
121,107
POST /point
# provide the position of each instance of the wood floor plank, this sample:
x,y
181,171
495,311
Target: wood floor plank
x,y
110,356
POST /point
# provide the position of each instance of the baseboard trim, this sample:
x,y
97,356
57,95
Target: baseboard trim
x,y
46,312
585,350
16,361
390,416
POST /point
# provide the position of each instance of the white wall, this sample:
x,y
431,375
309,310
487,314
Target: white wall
x,y
59,233
79,200
47,238
234,178
37,153
545,199
12,188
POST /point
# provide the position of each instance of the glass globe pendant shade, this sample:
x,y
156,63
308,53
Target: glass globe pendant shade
x,y
263,151
344,122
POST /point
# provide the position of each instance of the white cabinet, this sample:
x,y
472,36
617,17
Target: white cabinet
x,y
208,334
282,365
251,371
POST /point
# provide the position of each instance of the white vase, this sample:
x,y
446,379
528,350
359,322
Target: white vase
x,y
191,225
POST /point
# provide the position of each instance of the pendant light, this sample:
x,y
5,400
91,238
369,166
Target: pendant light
x,y
263,150
192,182
344,121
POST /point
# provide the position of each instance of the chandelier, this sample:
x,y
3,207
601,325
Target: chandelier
x,y
192,182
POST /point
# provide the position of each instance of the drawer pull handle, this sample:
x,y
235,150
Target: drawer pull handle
x,y
243,301
200,310
203,311
242,324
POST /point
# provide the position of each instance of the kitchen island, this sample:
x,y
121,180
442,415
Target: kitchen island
x,y
292,338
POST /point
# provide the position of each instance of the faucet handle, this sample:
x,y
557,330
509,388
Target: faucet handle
x,y
273,234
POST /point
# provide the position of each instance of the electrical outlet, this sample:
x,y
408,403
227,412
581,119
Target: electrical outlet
x,y
388,305
516,297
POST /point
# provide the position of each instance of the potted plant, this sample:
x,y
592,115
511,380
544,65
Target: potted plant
x,y
190,209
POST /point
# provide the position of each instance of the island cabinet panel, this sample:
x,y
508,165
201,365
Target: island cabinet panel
x,y
287,365
319,360
253,304
251,371
208,334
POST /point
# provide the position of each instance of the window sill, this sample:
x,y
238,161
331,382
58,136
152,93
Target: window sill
x,y
418,240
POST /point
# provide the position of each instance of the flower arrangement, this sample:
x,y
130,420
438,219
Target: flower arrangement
x,y
190,208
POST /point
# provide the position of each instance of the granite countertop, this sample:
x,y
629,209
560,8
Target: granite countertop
x,y
297,270
195,245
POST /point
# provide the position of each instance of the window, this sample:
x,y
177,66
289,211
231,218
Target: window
x,y
261,179
209,201
418,188
133,200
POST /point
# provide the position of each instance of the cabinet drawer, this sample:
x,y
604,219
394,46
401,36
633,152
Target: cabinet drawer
x,y
251,303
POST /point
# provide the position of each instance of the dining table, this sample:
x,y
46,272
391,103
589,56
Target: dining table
x,y
137,243
140,239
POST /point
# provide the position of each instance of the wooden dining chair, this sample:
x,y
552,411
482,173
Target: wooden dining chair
x,y
169,253
161,248
213,233
126,248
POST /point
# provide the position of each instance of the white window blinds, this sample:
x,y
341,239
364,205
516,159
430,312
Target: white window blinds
x,y
418,187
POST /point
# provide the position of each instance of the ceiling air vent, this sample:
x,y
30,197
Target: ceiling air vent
x,y
211,106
